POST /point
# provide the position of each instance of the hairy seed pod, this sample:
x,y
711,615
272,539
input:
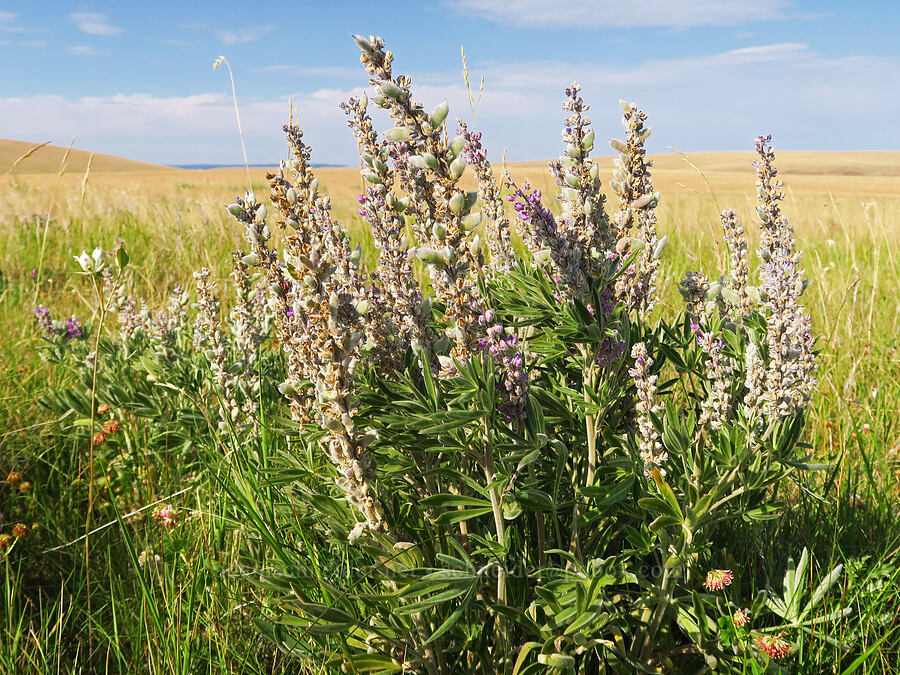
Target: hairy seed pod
x,y
439,114
392,91
470,222
618,146
397,134
456,145
456,203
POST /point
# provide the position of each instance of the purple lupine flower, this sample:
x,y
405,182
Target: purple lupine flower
x,y
512,381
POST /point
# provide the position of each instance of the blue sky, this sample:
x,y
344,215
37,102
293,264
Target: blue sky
x,y
136,78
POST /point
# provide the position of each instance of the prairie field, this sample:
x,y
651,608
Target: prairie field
x,y
65,611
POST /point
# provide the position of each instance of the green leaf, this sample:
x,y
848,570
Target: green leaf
x,y
445,500
459,516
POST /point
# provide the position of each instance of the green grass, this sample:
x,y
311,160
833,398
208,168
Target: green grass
x,y
193,610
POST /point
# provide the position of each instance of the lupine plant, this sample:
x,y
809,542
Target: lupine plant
x,y
517,468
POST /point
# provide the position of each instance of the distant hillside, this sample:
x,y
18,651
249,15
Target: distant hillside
x,y
47,159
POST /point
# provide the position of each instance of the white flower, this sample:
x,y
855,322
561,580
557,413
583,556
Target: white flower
x,y
90,264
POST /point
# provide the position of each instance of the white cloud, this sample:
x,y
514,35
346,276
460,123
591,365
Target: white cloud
x,y
623,13
85,50
94,24
338,72
715,102
231,37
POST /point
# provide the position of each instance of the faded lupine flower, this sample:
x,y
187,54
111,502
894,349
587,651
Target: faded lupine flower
x,y
319,294
741,617
512,380
718,376
496,224
694,289
583,220
637,207
543,237
716,580
736,296
208,336
443,211
247,338
790,376
398,318
165,325
773,645
754,382
166,514
652,451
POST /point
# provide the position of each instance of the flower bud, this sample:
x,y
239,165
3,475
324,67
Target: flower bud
x,y
261,213
363,102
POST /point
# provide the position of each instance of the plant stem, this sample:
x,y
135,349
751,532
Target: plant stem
x,y
496,508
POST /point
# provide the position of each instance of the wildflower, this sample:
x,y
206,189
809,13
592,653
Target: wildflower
x,y
4,540
741,617
652,451
512,380
99,438
90,264
773,645
103,408
25,486
716,580
20,530
13,477
637,205
166,514
111,426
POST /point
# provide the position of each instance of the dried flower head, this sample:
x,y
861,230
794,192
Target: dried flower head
x,y
13,477
773,645
5,540
20,530
99,438
111,426
716,580
25,486
103,408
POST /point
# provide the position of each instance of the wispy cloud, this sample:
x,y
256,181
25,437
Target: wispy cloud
x,y
624,13
8,23
234,37
342,72
94,24
85,50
